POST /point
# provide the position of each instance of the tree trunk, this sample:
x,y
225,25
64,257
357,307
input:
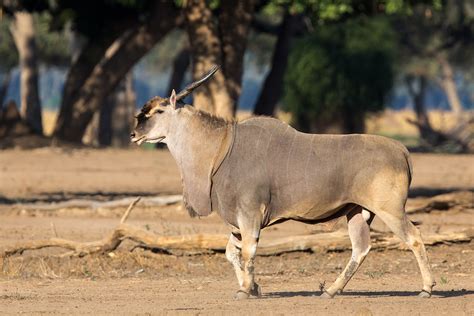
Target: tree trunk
x,y
91,134
428,134
116,117
206,52
234,25
449,86
114,65
106,113
123,118
77,42
23,32
273,85
422,120
80,70
419,105
85,57
180,65
4,87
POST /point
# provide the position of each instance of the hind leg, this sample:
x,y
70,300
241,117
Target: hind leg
x,y
409,234
359,234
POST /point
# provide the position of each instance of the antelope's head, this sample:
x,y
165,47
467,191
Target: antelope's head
x,y
154,122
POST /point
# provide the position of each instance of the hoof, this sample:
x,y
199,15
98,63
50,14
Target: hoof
x,y
326,295
256,290
424,294
241,295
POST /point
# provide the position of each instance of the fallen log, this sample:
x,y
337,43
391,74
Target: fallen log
x,y
94,205
339,241
205,243
458,140
442,202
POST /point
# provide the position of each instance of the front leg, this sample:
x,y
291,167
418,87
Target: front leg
x,y
250,232
233,255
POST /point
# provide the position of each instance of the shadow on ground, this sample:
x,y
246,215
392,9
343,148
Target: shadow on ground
x,y
430,192
54,197
374,294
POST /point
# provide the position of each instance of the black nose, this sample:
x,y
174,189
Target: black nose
x,y
132,135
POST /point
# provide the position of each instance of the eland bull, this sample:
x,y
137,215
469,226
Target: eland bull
x,y
260,172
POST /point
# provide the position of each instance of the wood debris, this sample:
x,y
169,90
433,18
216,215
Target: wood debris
x,y
205,243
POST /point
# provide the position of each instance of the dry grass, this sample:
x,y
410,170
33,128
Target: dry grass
x,y
117,264
392,122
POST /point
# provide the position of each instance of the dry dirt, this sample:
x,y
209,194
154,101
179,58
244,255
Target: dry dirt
x,y
142,282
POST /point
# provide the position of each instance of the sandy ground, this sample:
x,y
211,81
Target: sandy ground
x,y
141,282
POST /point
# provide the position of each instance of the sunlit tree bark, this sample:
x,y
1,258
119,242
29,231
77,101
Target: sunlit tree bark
x,y
220,41
117,61
23,32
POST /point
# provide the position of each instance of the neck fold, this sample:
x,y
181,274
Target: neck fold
x,y
199,145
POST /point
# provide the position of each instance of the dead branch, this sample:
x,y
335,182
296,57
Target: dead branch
x,y
122,232
53,230
442,202
129,209
339,241
205,243
461,136
93,204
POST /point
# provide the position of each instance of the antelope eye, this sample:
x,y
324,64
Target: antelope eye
x,y
159,111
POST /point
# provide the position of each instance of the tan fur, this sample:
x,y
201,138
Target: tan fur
x,y
261,171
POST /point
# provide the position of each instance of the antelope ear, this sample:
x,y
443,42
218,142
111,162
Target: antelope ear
x,y
173,99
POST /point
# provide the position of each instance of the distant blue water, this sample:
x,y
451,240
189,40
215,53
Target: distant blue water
x,y
148,85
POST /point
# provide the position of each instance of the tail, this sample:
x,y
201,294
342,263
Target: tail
x,y
406,153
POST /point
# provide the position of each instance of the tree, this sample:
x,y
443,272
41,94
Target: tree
x,y
431,39
27,41
298,18
178,71
339,73
118,33
114,63
272,87
112,123
223,44
234,26
116,131
8,56
23,32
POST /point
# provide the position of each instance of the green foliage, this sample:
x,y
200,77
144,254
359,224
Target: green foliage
x,y
436,29
322,9
328,11
52,46
89,18
342,68
8,53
